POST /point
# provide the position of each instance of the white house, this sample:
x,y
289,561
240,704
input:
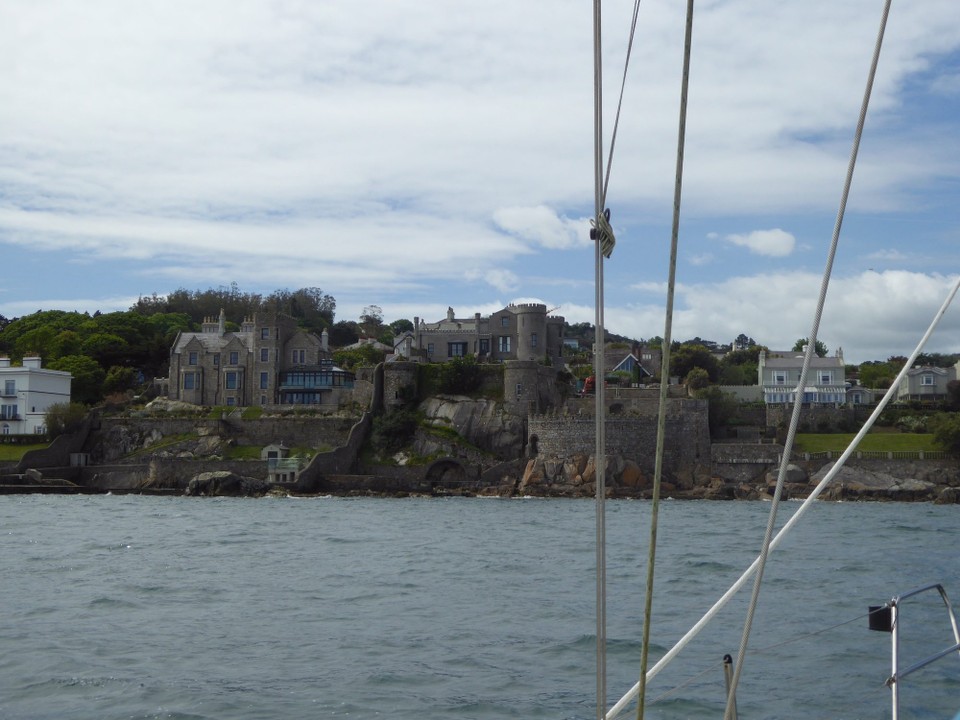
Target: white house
x,y
779,376
25,394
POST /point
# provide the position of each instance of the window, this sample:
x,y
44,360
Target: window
x,y
264,354
456,349
6,429
299,357
8,412
10,388
216,359
780,377
503,343
231,401
826,377
505,321
265,333
234,358
926,380
264,381
484,346
189,381
192,360
429,348
263,399
231,383
533,339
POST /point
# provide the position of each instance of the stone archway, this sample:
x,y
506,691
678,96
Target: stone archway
x,y
446,473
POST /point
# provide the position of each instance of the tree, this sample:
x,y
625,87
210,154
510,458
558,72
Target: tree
x,y
819,348
742,342
876,374
739,367
686,357
401,326
946,431
345,332
371,321
64,418
88,376
119,379
697,379
461,375
363,356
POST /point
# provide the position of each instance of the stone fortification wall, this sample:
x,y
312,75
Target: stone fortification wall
x,y
633,437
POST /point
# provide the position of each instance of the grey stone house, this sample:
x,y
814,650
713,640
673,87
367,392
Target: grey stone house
x,y
270,361
926,384
524,331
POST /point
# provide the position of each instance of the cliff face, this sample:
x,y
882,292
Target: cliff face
x,y
483,423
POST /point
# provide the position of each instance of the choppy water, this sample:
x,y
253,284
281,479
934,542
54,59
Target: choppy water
x,y
148,607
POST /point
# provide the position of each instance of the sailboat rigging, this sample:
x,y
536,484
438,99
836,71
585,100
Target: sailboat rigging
x,y
602,234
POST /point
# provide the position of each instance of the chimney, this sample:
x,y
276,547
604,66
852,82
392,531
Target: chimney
x,y
324,340
222,325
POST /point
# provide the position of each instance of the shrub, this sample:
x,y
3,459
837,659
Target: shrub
x,y
946,431
394,430
460,375
64,418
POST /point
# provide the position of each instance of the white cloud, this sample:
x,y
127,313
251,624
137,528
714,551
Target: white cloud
x,y
888,255
542,226
871,315
775,243
397,155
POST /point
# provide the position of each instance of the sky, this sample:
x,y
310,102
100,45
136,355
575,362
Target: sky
x,y
423,155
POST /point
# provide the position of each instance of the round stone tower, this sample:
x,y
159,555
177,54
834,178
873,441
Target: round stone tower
x,y
531,330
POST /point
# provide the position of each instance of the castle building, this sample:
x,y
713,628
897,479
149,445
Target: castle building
x,y
270,361
524,331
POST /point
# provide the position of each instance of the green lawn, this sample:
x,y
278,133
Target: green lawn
x,y
882,441
13,453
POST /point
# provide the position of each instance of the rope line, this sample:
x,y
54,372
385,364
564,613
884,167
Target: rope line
x,y
795,518
623,85
811,344
665,363
599,398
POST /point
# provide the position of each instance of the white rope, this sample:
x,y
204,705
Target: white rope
x,y
665,364
599,375
811,345
815,493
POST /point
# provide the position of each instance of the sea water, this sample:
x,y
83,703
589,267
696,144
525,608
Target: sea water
x,y
162,607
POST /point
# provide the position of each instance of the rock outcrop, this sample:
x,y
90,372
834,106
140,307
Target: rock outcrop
x,y
223,483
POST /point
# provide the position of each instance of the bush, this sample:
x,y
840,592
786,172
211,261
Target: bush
x,y
395,430
460,376
63,418
946,431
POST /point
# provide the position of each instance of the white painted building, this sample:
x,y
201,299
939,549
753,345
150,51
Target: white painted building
x,y
25,394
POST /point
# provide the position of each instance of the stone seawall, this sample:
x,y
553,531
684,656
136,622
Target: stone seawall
x,y
633,436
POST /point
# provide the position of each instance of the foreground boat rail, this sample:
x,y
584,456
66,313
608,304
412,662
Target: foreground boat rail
x,y
886,618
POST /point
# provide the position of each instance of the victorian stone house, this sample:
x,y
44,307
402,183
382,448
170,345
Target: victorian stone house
x,y
270,361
